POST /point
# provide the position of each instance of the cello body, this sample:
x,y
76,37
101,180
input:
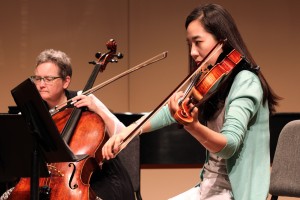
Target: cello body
x,y
70,180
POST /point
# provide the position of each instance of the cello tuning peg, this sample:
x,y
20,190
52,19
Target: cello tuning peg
x,y
113,61
98,55
92,62
119,55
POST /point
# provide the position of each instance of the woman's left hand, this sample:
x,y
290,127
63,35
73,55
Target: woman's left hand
x,y
173,102
193,113
85,101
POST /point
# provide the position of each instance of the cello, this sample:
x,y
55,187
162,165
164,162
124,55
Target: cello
x,y
84,132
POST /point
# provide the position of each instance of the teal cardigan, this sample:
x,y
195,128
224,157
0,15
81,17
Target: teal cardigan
x,y
246,127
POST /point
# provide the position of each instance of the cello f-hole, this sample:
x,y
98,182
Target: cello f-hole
x,y
72,176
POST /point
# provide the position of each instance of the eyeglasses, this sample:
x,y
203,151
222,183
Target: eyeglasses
x,y
46,79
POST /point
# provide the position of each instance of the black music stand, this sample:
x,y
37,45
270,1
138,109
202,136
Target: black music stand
x,y
47,145
16,147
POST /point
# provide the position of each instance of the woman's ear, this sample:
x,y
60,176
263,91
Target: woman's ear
x,y
67,82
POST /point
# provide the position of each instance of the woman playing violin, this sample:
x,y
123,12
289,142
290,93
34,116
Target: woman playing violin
x,y
232,124
52,77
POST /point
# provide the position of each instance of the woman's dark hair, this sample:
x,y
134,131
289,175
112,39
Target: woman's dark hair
x,y
218,21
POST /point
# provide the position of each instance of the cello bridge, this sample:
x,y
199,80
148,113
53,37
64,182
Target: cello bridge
x,y
54,172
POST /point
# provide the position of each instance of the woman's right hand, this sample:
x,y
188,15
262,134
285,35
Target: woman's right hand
x,y
115,143
112,146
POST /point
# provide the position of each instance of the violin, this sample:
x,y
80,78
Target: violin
x,y
137,129
209,82
202,85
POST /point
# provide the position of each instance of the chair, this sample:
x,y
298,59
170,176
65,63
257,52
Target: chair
x,y
130,158
285,174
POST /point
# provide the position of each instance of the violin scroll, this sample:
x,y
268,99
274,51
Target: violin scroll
x,y
182,115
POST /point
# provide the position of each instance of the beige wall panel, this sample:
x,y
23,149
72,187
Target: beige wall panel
x,y
142,29
80,28
270,29
157,26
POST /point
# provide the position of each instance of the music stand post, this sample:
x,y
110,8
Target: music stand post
x,y
48,146
16,149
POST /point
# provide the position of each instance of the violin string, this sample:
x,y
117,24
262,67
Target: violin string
x,y
137,129
190,86
197,74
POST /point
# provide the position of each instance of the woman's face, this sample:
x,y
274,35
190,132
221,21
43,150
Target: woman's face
x,y
201,43
51,91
